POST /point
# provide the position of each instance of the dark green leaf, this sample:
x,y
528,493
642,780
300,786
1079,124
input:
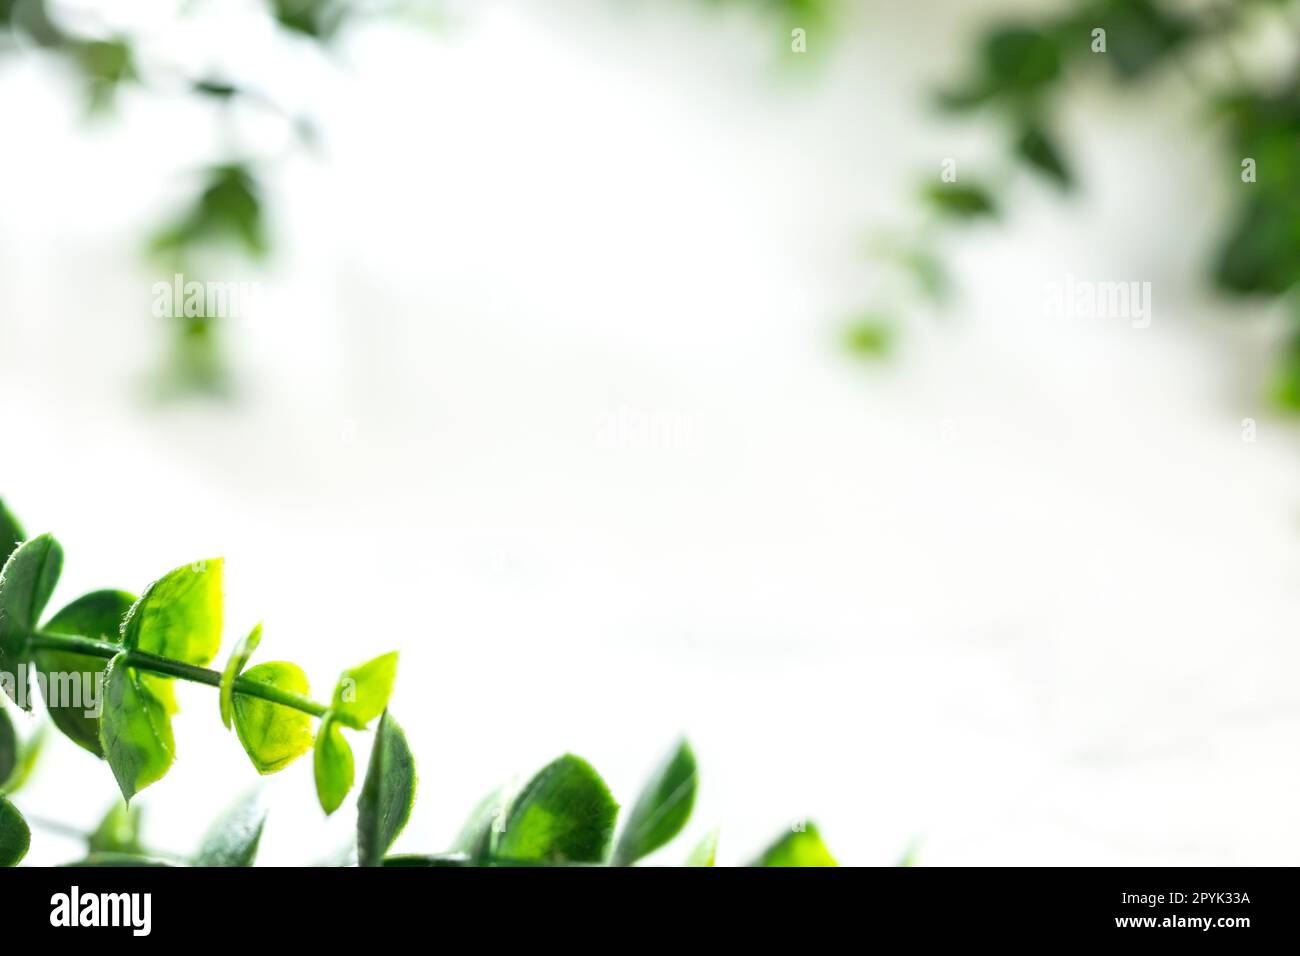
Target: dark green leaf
x,y
1021,60
135,730
26,583
662,809
179,615
234,667
15,838
69,677
1262,252
387,794
564,814
118,832
798,848
234,838
11,533
1037,148
273,735
334,766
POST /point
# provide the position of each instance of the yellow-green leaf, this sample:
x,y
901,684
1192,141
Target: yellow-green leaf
x,y
273,735
179,615
334,765
802,847
362,692
564,814
234,667
706,851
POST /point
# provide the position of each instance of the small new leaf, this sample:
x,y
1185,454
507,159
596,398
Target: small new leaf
x,y
234,667
706,851
387,794
15,837
135,730
662,809
334,765
362,692
273,735
798,848
179,615
565,814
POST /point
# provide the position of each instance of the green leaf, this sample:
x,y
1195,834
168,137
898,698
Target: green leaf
x,y
706,851
117,861
362,692
179,615
869,337
662,809
1038,148
234,667
28,754
1021,60
15,838
334,765
480,830
234,838
960,200
387,794
8,748
420,860
564,814
135,730
798,848
118,832
273,735
97,615
26,584
11,533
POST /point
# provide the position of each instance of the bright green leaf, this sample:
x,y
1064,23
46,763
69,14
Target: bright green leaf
x,y
234,667
662,809
798,848
135,730
70,677
8,748
334,765
362,692
234,838
179,615
706,851
273,735
565,814
26,584
15,838
387,794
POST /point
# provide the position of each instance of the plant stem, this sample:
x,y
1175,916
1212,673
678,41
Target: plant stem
x,y
165,666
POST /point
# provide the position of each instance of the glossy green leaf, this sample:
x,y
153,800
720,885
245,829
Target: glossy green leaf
x,y
15,837
234,667
564,814
798,848
662,809
71,678
118,831
362,692
234,838
334,766
11,533
9,754
387,794
135,730
480,831
26,583
273,735
179,615
706,851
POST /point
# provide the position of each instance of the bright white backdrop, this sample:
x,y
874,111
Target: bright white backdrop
x,y
1023,595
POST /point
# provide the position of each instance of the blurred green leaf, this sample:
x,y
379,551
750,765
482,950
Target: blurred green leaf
x,y
798,848
565,814
476,837
662,809
869,337
706,851
1039,149
11,533
959,200
118,831
234,838
8,748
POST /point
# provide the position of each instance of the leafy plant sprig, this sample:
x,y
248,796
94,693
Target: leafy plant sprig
x,y
564,816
